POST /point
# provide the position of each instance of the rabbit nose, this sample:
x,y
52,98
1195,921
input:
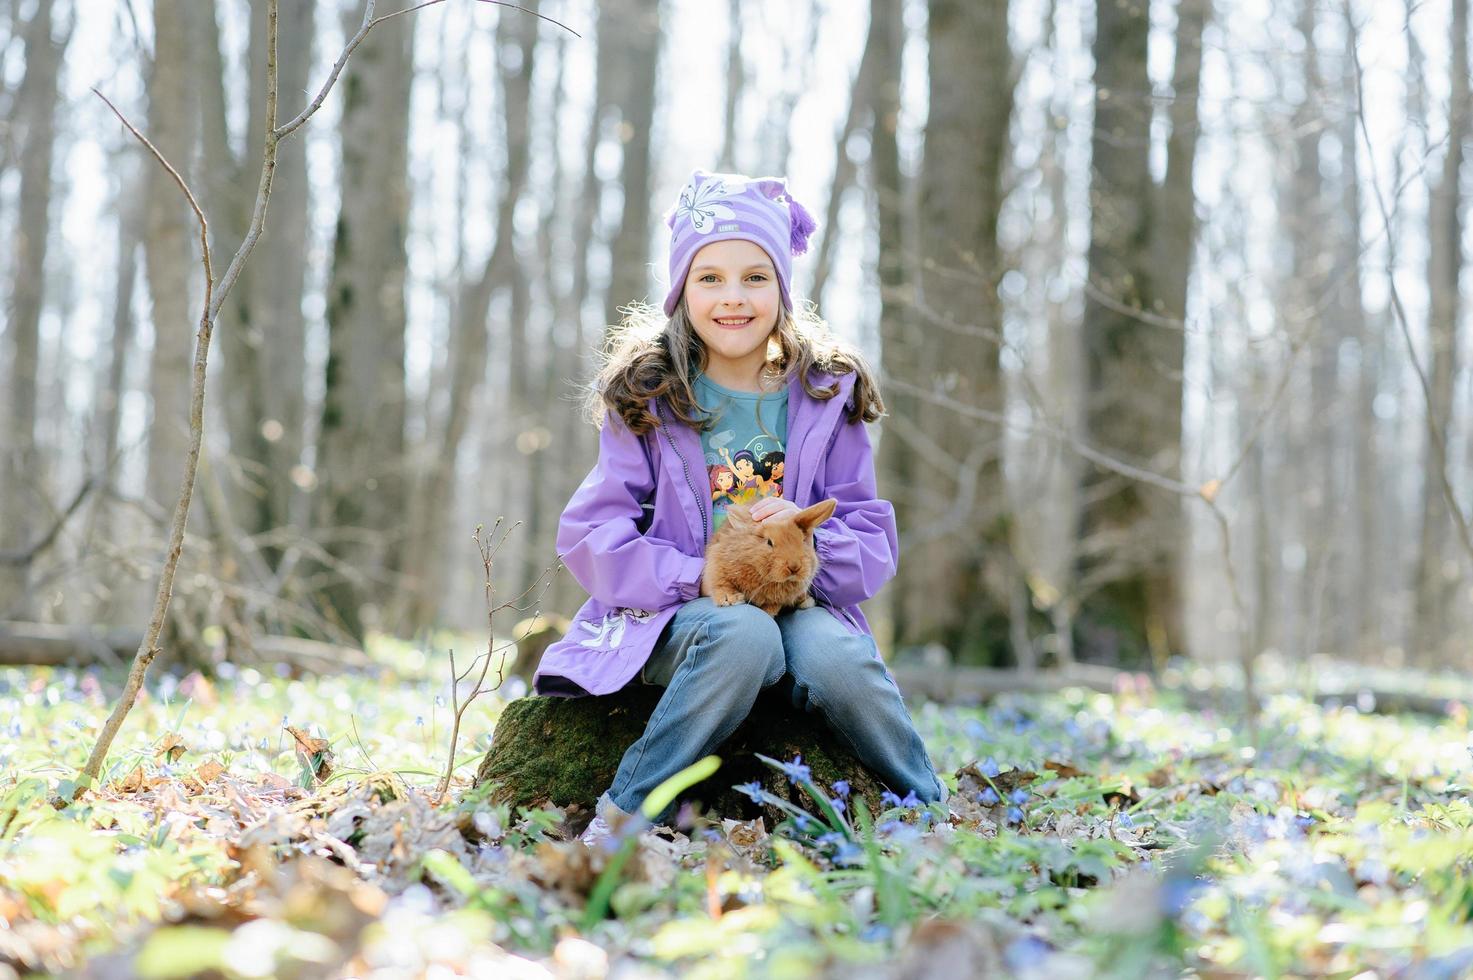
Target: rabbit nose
x,y
793,569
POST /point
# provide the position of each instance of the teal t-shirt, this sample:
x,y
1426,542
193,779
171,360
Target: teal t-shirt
x,y
744,447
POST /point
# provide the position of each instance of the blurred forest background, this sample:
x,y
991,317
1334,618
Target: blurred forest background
x,y
1166,297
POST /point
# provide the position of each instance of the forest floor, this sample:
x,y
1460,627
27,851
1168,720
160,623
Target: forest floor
x,y
1122,835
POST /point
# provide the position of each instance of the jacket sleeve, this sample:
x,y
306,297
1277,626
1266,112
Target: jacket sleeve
x,y
598,538
858,547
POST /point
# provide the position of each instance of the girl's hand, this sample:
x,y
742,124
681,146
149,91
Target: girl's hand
x,y
770,507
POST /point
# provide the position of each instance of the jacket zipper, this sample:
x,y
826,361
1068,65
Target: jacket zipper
x,y
685,467
827,440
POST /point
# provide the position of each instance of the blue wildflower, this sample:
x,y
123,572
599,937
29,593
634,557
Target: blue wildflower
x,y
841,789
889,827
837,804
1125,821
890,799
1026,953
1177,893
988,797
796,770
848,852
1019,796
801,821
911,801
990,768
875,932
832,837
753,790
976,730
1015,815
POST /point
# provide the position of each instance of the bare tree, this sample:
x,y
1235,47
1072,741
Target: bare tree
x,y
361,450
631,30
1130,535
21,489
956,505
736,76
1438,566
470,340
265,340
168,252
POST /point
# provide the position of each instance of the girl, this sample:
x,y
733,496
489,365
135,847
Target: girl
x,y
635,531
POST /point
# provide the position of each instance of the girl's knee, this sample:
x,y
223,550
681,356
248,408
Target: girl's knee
x,y
748,640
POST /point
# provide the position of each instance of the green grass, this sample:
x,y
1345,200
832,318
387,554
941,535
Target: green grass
x,y
1149,838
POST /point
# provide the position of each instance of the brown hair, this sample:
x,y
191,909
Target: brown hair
x,y
652,356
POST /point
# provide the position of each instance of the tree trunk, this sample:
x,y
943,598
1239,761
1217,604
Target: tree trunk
x,y
1438,566
264,338
632,29
168,252
736,74
960,596
471,339
21,488
1131,535
360,459
1358,631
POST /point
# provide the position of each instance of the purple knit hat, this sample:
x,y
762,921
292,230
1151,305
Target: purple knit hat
x,y
721,207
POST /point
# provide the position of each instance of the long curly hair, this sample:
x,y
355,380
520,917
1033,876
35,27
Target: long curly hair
x,y
650,356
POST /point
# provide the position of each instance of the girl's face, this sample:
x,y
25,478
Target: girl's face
x,y
732,296
745,468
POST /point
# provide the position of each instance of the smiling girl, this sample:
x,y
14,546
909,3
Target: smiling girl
x,y
730,363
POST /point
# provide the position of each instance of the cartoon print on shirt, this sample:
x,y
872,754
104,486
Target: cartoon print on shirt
x,y
744,476
770,472
723,482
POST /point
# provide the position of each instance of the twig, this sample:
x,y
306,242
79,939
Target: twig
x,y
25,556
458,707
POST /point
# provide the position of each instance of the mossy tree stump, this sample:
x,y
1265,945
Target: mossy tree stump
x,y
565,751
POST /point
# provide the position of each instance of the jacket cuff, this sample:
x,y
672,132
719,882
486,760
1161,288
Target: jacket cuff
x,y
688,584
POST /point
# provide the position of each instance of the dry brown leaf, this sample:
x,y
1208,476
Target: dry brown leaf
x,y
137,781
1063,770
315,753
171,747
203,776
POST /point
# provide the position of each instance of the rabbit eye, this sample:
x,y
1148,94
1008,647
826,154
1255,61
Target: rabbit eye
x,y
769,543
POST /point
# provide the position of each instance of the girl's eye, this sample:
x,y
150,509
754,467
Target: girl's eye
x,y
708,277
759,277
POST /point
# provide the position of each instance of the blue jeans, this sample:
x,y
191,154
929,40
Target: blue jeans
x,y
713,661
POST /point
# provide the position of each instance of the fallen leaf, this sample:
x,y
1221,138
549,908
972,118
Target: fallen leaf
x,y
314,753
171,747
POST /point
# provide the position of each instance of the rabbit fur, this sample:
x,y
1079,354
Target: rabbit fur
x,y
769,565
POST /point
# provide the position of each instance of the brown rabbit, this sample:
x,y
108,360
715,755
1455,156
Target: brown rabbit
x,y
770,565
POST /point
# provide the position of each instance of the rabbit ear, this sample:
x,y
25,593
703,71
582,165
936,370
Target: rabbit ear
x,y
811,517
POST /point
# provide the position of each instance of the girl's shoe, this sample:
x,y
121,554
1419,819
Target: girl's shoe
x,y
597,833
608,820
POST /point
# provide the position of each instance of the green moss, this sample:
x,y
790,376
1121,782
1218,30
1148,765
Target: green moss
x,y
566,751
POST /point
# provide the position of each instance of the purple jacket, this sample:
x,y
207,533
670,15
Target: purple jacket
x,y
634,534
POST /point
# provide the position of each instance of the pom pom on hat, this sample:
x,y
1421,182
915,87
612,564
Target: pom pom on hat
x,y
801,225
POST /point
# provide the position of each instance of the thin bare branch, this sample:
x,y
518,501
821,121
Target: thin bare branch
x,y
1434,430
